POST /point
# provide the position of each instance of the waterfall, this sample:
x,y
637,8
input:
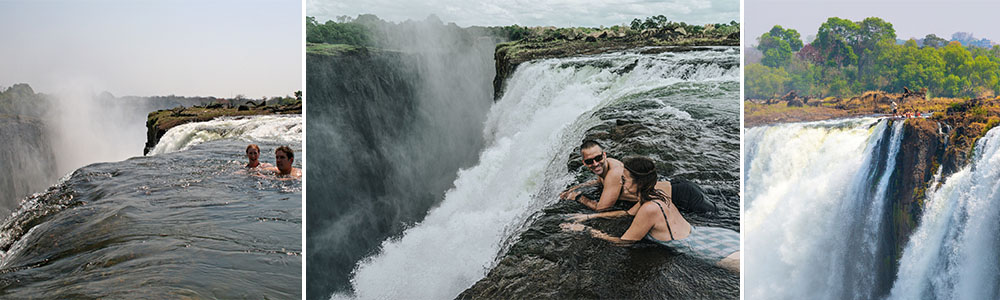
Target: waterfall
x,y
542,116
814,208
284,129
953,252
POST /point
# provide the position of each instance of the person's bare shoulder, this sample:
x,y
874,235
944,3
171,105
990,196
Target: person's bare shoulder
x,y
648,210
616,172
615,164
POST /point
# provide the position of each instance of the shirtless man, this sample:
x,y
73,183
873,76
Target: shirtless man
x,y
609,174
283,158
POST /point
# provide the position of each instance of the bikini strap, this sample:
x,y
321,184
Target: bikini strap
x,y
665,219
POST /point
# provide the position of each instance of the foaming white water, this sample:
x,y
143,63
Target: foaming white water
x,y
271,128
541,116
953,252
811,190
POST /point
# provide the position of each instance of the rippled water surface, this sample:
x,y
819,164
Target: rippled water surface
x,y
185,224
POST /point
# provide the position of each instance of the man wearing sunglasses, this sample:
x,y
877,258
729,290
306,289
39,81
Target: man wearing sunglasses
x,y
687,195
609,173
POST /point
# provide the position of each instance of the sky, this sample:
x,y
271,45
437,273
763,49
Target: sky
x,y
560,13
150,48
915,18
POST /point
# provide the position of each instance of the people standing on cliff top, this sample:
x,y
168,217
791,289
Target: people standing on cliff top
x,y
658,220
283,158
253,154
895,109
595,159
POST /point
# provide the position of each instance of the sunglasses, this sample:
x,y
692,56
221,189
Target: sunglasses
x,y
598,158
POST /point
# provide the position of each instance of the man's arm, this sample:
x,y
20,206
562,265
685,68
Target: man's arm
x,y
612,189
591,182
565,195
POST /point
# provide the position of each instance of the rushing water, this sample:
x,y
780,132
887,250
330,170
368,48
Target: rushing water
x,y
387,133
546,109
815,209
190,223
953,252
274,128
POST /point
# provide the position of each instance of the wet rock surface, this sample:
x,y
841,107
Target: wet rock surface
x,y
699,141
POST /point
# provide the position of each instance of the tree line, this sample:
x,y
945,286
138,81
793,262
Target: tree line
x,y
369,31
848,58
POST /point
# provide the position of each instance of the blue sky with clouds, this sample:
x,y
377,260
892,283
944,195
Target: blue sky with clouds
x,y
144,48
562,13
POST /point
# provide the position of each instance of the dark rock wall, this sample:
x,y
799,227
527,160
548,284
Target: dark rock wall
x,y
349,97
26,159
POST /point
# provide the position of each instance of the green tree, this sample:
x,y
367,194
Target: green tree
x,y
932,40
834,41
778,45
765,82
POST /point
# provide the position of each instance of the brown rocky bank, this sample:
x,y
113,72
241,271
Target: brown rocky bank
x,y
159,122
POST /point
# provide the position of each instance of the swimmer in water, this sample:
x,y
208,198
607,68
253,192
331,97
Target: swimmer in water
x,y
253,154
657,219
609,170
283,158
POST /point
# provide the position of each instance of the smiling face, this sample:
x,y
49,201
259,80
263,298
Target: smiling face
x,y
253,154
595,159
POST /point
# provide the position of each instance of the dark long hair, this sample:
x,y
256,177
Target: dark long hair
x,y
643,172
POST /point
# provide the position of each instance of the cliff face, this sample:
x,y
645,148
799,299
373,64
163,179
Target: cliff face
x,y
359,100
921,151
26,158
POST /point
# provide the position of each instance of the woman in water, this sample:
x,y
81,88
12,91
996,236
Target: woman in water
x,y
253,155
658,220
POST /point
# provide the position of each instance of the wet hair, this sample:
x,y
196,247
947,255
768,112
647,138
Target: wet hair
x,y
589,143
643,172
287,150
253,146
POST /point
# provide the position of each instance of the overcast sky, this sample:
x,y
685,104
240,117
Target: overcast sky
x,y
562,13
915,18
145,48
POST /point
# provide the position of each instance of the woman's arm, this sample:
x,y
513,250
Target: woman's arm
x,y
596,233
606,215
